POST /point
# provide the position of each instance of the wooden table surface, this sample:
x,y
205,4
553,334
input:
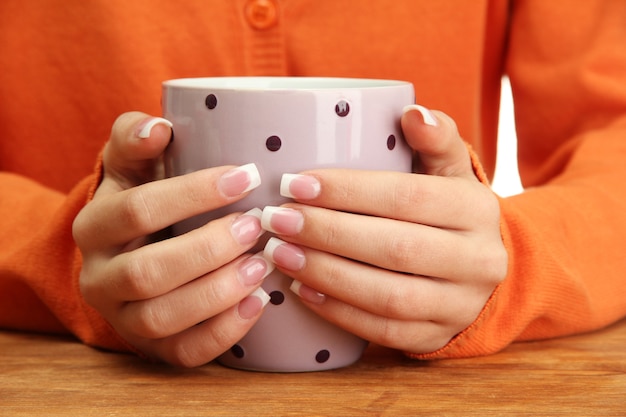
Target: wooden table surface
x,y
576,376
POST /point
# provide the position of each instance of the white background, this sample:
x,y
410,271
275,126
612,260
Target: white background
x,y
506,181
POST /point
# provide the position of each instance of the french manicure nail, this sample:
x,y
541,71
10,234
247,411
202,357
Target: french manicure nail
x,y
282,221
247,227
252,305
284,254
307,293
428,116
254,269
239,180
303,187
144,131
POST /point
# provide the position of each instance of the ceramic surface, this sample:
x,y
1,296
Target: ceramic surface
x,y
285,125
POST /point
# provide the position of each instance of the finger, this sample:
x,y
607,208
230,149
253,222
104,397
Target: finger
x,y
412,313
136,142
202,343
384,292
159,268
408,335
195,301
452,203
389,244
435,137
149,208
379,305
380,292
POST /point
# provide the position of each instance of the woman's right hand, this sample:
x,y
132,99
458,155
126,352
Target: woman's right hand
x,y
184,300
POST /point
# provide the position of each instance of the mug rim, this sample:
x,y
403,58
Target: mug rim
x,y
278,83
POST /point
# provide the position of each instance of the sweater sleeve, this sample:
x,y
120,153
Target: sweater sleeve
x,y
565,234
40,264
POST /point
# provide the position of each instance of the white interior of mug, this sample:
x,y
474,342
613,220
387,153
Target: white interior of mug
x,y
281,83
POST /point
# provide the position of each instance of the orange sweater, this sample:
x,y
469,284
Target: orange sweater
x,y
67,69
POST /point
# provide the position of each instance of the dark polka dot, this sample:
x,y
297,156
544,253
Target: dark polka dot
x,y
322,356
277,297
391,142
273,143
342,108
237,351
210,101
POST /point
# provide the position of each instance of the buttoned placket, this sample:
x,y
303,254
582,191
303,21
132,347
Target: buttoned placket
x,y
264,43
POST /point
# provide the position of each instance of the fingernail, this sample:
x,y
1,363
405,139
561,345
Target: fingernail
x,y
247,227
253,304
145,127
428,116
307,293
303,187
239,180
284,254
254,269
282,221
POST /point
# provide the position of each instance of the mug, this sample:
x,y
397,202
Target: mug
x,y
285,125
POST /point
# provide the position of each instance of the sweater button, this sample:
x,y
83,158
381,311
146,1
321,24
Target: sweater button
x,y
261,14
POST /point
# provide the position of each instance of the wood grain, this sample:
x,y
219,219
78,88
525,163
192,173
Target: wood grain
x,y
576,376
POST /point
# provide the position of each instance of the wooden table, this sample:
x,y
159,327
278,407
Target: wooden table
x,y
576,376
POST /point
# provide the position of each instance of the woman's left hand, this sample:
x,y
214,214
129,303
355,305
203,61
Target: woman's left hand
x,y
405,260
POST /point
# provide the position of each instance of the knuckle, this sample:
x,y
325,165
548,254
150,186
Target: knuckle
x,y
490,262
136,212
334,273
389,333
436,341
398,302
207,251
430,338
487,206
81,229
149,321
492,203
491,256
135,277
406,196
184,355
215,290
78,227
332,234
494,265
88,288
190,355
222,339
400,252
213,251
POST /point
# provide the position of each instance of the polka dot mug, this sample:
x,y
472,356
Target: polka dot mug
x,y
285,125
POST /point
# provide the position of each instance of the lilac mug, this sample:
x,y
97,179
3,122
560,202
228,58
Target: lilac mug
x,y
285,125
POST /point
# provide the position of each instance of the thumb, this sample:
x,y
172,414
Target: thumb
x,y
132,156
435,138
